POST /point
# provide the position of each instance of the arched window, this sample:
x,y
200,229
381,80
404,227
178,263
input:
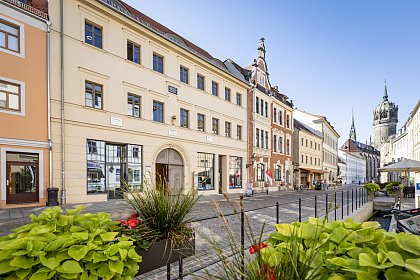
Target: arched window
x,y
277,172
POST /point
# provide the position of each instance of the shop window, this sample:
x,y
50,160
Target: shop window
x,y
235,172
205,168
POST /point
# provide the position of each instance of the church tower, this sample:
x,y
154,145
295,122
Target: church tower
x,y
385,119
352,134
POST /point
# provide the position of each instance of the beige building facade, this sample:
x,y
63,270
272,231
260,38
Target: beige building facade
x,y
307,155
24,134
140,103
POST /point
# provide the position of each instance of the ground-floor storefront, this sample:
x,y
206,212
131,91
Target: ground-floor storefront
x,y
24,173
99,163
307,178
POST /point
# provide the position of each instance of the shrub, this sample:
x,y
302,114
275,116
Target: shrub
x,y
341,250
393,188
372,187
68,246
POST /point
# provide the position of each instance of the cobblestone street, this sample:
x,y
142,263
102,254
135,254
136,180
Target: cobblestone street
x,y
209,226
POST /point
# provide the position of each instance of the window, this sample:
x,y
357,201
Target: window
x,y
306,160
275,143
93,95
303,142
133,52
288,121
158,63
215,125
262,108
133,104
201,122
277,172
257,105
261,78
311,144
281,117
306,142
266,139
9,96
95,166
228,128
238,99
227,94
214,88
9,36
262,139
157,111
93,34
274,115
184,118
266,109
183,74
235,172
257,138
311,160
281,144
239,132
303,158
205,171
200,81
288,147
260,172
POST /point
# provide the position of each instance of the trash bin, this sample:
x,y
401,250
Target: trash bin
x,y
52,196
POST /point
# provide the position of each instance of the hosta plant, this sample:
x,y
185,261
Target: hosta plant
x,y
341,250
68,246
372,187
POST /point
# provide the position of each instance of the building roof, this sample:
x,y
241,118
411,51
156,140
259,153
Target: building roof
x,y
164,29
351,146
322,119
36,7
302,126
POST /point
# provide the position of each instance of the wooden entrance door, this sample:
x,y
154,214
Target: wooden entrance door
x,y
22,182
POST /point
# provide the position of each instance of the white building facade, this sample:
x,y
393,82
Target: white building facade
x,y
353,169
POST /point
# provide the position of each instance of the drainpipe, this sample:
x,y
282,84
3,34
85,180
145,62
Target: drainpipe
x,y
49,98
63,185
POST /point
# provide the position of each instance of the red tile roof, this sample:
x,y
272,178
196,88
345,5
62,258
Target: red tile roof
x,y
41,5
164,29
36,7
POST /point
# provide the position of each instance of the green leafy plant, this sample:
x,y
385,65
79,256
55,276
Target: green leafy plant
x,y
68,246
343,250
372,187
162,214
393,188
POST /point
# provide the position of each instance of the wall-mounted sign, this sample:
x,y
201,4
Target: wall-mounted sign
x,y
209,139
116,121
172,131
172,89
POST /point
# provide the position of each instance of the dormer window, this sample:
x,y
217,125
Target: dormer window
x,y
261,78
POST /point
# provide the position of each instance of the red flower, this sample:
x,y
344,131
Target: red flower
x,y
256,247
134,216
132,223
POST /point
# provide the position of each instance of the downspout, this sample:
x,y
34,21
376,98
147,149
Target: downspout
x,y
49,98
63,185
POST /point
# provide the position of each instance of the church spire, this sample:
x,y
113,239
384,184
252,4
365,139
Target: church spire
x,y
386,93
352,134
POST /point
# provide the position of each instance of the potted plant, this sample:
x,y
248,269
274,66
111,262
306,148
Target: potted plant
x,y
160,218
372,188
394,189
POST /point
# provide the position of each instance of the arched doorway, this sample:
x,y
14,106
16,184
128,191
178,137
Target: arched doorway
x,y
170,169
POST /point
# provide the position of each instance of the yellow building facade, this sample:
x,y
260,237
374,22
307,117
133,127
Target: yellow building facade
x,y
138,102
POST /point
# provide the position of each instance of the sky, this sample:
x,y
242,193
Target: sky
x,y
329,56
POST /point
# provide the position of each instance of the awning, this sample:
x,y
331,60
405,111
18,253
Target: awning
x,y
319,171
406,165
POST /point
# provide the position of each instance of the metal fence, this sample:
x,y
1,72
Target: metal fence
x,y
332,206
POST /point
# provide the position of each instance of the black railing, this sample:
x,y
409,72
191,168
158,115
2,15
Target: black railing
x,y
357,201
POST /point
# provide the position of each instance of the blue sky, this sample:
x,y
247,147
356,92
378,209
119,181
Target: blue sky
x,y
328,56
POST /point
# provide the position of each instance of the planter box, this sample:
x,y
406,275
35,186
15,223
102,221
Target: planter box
x,y
160,254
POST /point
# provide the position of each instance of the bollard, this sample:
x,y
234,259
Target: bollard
x,y
326,206
168,271
242,243
348,210
342,205
277,212
352,201
180,269
300,210
335,206
356,198
315,206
